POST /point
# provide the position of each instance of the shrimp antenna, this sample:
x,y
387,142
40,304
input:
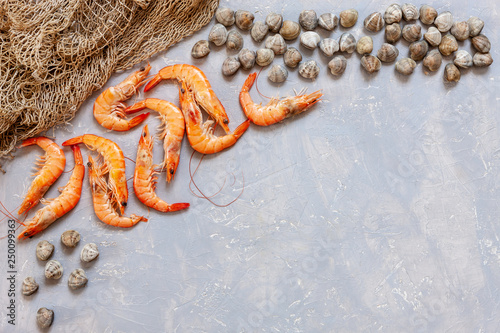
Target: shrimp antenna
x,y
191,189
7,213
257,86
128,158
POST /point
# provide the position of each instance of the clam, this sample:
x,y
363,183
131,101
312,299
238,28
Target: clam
x,y
224,16
482,59
243,19
234,41
374,22
44,317
433,36
393,14
387,53
292,57
475,26
451,73
448,45
259,31
309,39
230,66
290,30
309,69
347,43
370,63
393,32
462,59
348,18
481,43
77,279
246,58
427,14
364,45
29,286
264,57
460,30
308,19
444,21
337,65
53,269
276,43
277,74
410,12
218,34
200,49
328,46
44,250
418,50
412,32
433,60
328,21
274,22
89,252
70,238
406,66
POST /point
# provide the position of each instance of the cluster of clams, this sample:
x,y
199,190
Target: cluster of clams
x,y
54,270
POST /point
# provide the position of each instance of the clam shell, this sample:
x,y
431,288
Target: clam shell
x,y
393,14
328,21
405,66
348,17
482,59
309,69
29,286
427,14
347,43
274,22
290,30
308,19
44,250
460,30
370,63
44,317
433,36
243,19
393,32
200,49
374,22
462,59
451,73
448,45
418,50
218,34
234,41
309,39
433,60
277,74
70,238
264,57
224,16
412,32
230,66
475,26
53,269
89,252
387,53
328,46
444,21
259,31
292,57
481,43
246,58
410,12
77,279
365,45
277,44
337,65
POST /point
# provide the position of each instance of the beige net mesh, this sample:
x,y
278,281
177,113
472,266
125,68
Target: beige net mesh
x,y
54,54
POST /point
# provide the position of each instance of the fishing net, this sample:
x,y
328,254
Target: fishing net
x,y
54,54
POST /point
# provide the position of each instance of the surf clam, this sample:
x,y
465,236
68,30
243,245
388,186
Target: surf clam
x,y
393,32
448,45
328,46
29,286
292,57
412,32
371,63
259,31
460,30
44,317
481,43
243,19
475,26
230,66
308,19
277,74
387,53
77,279
264,57
347,43
246,58
70,238
44,250
348,18
218,34
200,49
418,50
451,73
374,22
234,41
405,66
310,39
427,14
328,21
53,270
393,14
433,36
290,30
444,21
364,45
309,69
274,22
337,65
89,252
277,44
225,16
482,59
433,60
462,59
410,12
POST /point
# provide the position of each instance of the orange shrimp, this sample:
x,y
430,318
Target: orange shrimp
x,y
108,107
114,161
53,163
144,179
102,200
197,81
173,130
201,135
276,110
59,206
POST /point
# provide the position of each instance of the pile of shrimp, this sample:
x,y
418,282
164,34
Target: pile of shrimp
x,y
106,174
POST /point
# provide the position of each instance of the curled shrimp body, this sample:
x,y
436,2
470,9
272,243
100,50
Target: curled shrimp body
x,y
201,135
196,80
173,130
109,106
59,206
114,161
145,179
52,165
276,110
103,206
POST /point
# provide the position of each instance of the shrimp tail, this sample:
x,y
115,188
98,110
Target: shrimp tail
x,y
139,106
241,129
138,119
29,142
249,82
154,81
73,141
178,206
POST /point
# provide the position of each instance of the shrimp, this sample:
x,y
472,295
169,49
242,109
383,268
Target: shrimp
x,y
59,206
114,161
173,130
144,179
53,163
276,110
101,198
108,107
201,135
197,81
